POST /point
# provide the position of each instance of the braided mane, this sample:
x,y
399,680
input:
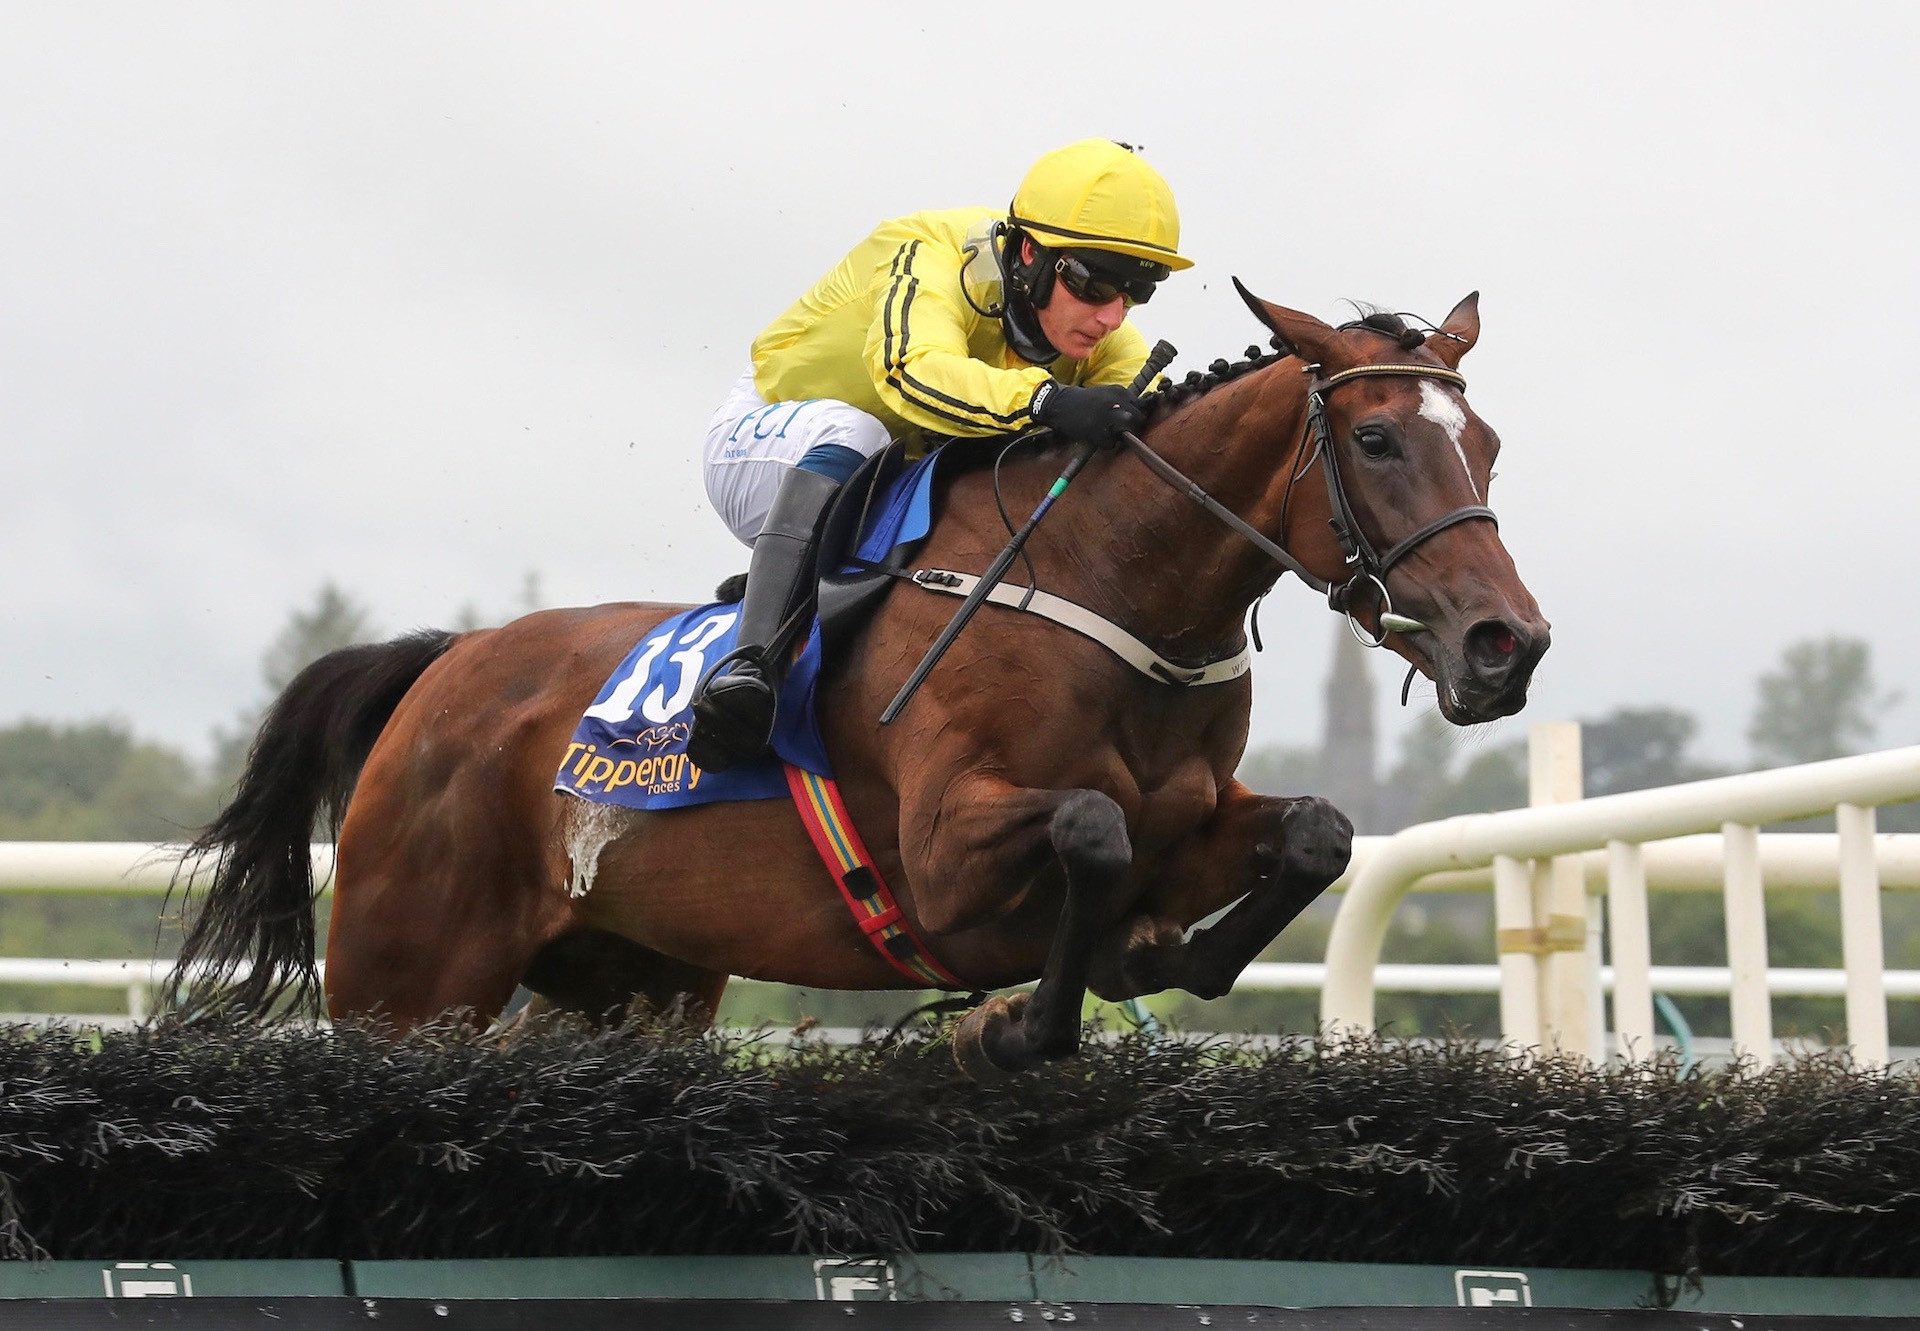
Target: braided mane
x,y
1174,394
1198,382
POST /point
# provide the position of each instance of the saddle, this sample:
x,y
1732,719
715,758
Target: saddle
x,y
851,583
851,587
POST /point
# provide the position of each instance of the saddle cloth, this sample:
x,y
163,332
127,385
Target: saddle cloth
x,y
630,746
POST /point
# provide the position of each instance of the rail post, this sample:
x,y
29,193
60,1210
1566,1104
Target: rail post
x,y
1630,936
1750,1005
1564,933
1862,950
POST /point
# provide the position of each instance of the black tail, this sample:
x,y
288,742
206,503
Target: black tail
x,y
256,910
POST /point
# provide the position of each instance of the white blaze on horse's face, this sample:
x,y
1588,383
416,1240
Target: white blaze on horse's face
x,y
1442,407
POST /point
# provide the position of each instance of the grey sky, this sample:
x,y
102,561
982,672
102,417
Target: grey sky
x,y
417,298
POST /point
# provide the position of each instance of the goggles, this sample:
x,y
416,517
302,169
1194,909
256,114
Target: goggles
x,y
1096,286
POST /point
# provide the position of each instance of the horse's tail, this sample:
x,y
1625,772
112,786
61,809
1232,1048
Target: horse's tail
x,y
252,942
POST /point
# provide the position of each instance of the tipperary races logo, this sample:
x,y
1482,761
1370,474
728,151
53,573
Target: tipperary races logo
x,y
654,773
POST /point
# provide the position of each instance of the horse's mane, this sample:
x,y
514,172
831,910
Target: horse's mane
x,y
1198,382
1176,393
987,451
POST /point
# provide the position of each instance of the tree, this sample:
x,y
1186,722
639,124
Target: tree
x,y
1423,784
1822,702
1494,778
1425,764
1281,769
532,597
1638,748
41,764
334,620
93,782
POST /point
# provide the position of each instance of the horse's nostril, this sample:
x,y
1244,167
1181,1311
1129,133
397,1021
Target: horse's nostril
x,y
1492,644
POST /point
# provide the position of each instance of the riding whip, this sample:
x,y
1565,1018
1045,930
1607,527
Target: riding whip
x,y
1158,360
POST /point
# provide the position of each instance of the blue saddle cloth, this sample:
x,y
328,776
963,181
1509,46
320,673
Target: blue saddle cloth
x,y
630,747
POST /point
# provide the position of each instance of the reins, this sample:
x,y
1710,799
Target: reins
x,y
1157,360
1364,563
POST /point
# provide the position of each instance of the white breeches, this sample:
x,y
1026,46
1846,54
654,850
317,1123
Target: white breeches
x,y
752,442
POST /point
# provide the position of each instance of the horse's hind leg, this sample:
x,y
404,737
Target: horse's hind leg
x,y
432,916
1275,854
390,957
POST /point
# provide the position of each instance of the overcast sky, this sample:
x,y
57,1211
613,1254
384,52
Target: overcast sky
x,y
418,298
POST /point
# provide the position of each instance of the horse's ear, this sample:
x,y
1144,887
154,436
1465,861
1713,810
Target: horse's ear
x,y
1304,335
1462,329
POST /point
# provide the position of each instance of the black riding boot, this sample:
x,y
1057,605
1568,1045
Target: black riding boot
x,y
733,712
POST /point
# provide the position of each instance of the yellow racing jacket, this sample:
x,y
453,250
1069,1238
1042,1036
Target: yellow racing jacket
x,y
890,330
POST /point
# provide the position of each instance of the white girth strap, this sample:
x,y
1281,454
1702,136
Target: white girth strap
x,y
1083,621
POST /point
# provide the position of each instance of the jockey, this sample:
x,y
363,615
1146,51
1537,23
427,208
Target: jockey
x,y
968,322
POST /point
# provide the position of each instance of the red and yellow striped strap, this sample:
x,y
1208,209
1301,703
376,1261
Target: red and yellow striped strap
x,y
866,893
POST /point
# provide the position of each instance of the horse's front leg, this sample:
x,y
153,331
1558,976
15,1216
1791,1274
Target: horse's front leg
x,y
1275,854
993,845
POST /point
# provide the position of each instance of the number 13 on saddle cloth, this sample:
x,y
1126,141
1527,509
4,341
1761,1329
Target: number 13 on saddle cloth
x,y
630,746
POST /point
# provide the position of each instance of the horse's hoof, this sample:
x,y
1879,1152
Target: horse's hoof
x,y
980,1029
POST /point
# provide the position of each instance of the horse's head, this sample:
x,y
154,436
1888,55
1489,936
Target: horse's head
x,y
1409,461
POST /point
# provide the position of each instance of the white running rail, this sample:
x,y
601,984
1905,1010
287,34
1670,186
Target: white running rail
x,y
1689,838
1628,832
137,867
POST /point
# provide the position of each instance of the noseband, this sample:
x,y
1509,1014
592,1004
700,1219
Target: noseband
x,y
1365,564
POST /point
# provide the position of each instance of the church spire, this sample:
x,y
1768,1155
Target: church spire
x,y
1348,743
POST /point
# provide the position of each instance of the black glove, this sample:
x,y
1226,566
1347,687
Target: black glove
x,y
1096,415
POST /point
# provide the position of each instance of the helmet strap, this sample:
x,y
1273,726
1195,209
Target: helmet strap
x,y
1021,325
1034,280
1028,287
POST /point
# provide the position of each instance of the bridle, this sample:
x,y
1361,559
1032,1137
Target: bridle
x,y
1365,564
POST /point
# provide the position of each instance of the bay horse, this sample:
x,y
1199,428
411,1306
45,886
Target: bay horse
x,y
1042,810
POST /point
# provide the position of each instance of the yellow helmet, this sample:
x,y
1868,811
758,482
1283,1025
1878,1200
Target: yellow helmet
x,y
1098,194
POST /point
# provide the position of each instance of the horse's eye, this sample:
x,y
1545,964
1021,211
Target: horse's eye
x,y
1374,441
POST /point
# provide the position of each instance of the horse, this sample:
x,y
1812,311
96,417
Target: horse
x,y
1043,810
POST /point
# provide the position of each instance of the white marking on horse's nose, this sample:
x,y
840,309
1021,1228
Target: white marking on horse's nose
x,y
1445,411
